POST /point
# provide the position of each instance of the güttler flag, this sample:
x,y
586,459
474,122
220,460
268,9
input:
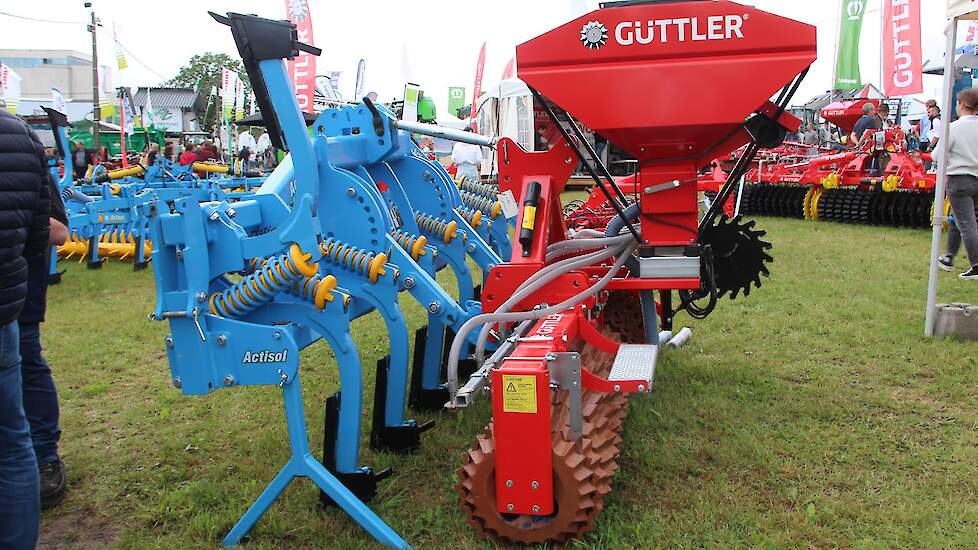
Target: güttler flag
x,y
847,75
902,62
477,89
302,69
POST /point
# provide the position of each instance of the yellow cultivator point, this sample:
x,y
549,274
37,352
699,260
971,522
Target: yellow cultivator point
x,y
830,181
891,183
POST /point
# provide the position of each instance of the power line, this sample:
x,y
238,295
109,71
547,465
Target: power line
x,y
111,34
39,20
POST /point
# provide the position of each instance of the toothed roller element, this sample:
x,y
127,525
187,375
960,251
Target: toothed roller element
x,y
739,255
583,469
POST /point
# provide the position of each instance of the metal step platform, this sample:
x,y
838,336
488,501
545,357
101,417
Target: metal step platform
x,y
635,362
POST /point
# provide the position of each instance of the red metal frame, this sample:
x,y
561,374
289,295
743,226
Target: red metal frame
x,y
647,98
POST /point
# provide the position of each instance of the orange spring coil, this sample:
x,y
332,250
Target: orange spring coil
x,y
413,244
356,260
260,287
438,227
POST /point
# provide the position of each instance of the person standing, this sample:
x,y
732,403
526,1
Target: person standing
x,y
81,160
962,183
869,121
925,127
24,211
468,159
39,392
189,155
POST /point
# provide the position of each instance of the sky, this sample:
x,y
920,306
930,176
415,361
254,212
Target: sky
x,y
440,39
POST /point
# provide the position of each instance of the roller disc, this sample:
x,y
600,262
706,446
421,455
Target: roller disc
x,y
583,470
740,257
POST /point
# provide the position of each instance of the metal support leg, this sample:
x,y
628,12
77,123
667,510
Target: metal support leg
x,y
303,464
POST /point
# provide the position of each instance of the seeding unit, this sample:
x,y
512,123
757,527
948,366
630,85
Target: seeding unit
x,y
357,215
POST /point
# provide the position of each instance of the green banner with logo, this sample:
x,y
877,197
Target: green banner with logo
x,y
847,75
456,99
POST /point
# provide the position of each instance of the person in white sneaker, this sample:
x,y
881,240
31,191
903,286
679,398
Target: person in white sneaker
x,y
962,183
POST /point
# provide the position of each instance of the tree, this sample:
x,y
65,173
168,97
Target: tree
x,y
204,71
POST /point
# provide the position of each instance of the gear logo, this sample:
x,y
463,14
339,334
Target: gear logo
x,y
594,35
297,10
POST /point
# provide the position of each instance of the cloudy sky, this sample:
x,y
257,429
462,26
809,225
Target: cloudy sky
x,y
439,39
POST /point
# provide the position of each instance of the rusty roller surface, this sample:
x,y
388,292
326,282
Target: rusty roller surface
x,y
583,469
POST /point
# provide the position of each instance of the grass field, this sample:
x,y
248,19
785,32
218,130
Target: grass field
x,y
811,414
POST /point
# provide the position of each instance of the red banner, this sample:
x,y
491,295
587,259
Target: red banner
x,y
477,89
972,33
902,61
510,70
302,69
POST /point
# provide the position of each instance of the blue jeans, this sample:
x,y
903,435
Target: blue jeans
x,y
20,498
40,395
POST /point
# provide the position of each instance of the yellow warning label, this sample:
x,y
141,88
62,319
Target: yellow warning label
x,y
529,217
519,393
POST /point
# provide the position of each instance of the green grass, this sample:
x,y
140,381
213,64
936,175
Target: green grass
x,y
811,414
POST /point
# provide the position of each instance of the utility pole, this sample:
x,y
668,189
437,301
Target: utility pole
x,y
96,110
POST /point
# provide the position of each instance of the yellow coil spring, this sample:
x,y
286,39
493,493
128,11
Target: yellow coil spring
x,y
474,217
272,276
489,207
318,289
437,227
363,262
473,186
413,244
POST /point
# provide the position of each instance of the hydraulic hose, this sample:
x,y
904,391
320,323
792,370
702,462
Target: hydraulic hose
x,y
70,194
538,280
453,356
559,249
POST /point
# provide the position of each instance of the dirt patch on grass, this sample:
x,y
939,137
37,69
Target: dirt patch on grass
x,y
77,530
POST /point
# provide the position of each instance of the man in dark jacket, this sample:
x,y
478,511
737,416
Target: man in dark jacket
x,y
81,160
40,393
24,212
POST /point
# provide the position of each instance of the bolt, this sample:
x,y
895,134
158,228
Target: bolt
x,y
509,483
470,247
536,509
409,283
617,387
214,216
641,388
535,485
168,341
277,335
221,339
510,507
231,212
351,192
426,175
550,357
151,316
177,383
434,307
201,297
229,380
179,253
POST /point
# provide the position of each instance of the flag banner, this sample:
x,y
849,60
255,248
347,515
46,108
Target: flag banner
x,y
9,88
456,99
411,96
239,99
126,116
149,118
254,104
228,78
302,69
480,66
57,100
847,75
361,75
510,70
902,61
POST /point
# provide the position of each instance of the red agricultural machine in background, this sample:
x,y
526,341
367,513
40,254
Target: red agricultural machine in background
x,y
588,298
877,181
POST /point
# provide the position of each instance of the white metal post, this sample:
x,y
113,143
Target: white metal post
x,y
940,191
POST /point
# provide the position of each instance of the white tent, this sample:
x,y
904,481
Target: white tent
x,y
506,110
956,11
